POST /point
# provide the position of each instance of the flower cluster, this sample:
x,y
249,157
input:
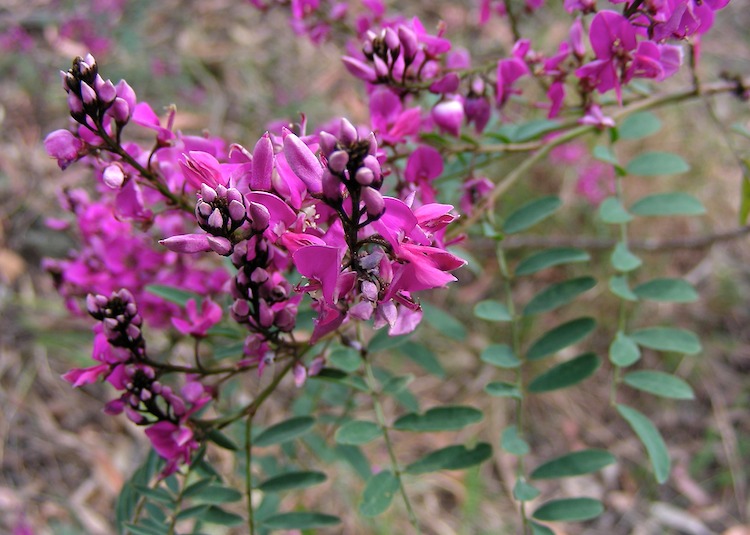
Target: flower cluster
x,y
120,348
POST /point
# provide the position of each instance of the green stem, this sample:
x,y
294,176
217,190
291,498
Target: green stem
x,y
371,384
249,473
515,334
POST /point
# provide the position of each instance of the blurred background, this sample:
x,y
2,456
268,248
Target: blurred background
x,y
231,69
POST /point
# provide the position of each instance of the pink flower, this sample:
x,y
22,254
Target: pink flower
x,y
198,323
173,442
64,146
449,115
596,182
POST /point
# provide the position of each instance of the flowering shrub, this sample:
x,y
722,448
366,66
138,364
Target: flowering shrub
x,y
349,224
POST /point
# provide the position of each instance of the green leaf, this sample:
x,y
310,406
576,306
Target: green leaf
x,y
534,129
619,287
447,418
492,311
357,432
218,494
383,341
220,439
356,459
623,260
191,512
503,390
512,442
395,385
284,431
378,493
345,358
199,487
302,520
217,515
342,378
613,212
136,529
660,384
530,214
651,438
566,374
668,204
671,290
443,322
524,492
451,458
538,529
424,357
605,154
500,355
557,295
569,510
624,351
158,494
639,125
560,337
574,464
172,294
549,258
657,163
292,480
667,339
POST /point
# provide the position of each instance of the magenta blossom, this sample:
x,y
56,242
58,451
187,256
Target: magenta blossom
x,y
198,322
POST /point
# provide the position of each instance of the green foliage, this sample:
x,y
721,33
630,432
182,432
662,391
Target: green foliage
x,y
451,458
667,204
667,339
549,258
569,510
659,383
357,432
574,464
557,295
292,480
651,439
657,163
492,311
300,520
674,290
530,214
566,374
561,337
378,493
500,355
439,419
639,125
284,431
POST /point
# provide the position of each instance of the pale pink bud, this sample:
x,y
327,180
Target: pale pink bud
x,y
409,43
219,245
303,162
331,187
448,115
374,203
359,69
347,133
337,161
364,176
260,216
262,164
88,95
113,176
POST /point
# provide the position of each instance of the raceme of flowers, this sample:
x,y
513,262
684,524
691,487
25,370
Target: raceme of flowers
x,y
362,231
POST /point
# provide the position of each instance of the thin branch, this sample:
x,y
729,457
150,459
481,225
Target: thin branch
x,y
723,86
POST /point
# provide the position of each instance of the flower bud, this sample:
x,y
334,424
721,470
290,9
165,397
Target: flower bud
x,y
374,203
337,161
348,133
364,176
113,176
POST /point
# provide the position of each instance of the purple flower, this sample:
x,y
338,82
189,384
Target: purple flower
x,y
198,322
449,115
64,146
